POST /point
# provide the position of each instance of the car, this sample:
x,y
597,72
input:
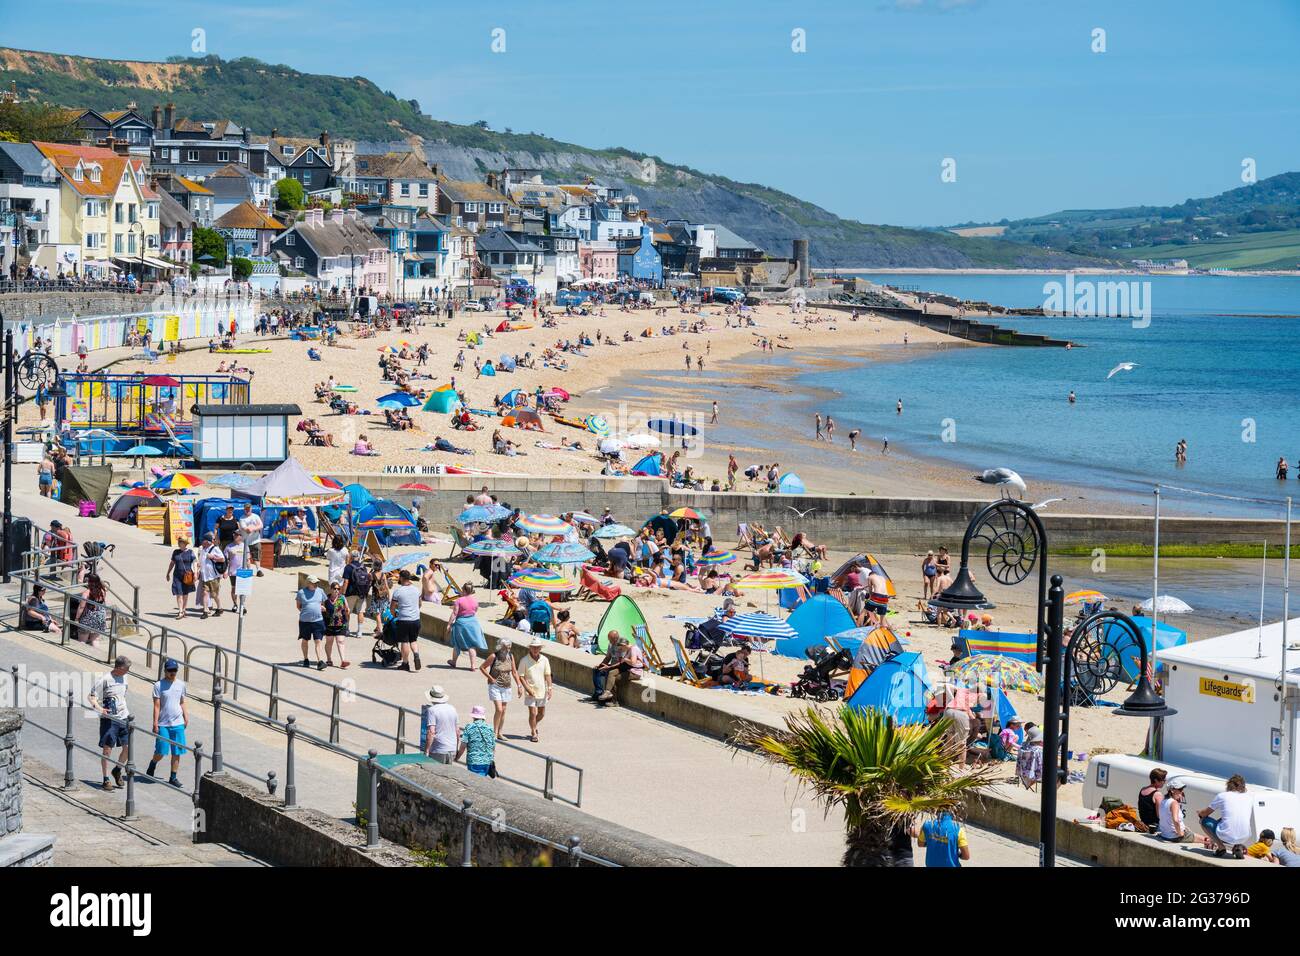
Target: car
x,y
730,296
571,297
474,305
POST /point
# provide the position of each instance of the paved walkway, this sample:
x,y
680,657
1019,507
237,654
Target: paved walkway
x,y
643,773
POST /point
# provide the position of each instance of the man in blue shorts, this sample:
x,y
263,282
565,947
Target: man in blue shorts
x,y
170,716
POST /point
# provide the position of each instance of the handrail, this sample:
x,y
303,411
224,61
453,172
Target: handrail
x,y
57,567
273,694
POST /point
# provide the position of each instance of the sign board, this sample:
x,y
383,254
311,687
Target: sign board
x,y
1242,692
244,582
28,452
79,411
180,519
414,470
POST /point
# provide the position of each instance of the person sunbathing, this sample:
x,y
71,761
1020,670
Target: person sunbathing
x,y
441,444
817,551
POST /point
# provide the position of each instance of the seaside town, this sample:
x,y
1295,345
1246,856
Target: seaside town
x,y
362,513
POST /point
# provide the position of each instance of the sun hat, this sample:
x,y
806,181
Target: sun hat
x,y
437,695
1034,735
1178,783
477,713
536,642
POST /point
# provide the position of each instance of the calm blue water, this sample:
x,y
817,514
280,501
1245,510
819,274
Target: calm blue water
x,y
1213,368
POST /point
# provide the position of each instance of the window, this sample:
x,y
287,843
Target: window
x,y
192,156
176,155
311,157
153,242
291,239
77,174
117,212
298,262
424,190
405,189
153,210
117,243
471,207
131,215
495,207
243,156
94,174
223,155
92,240
130,243
287,150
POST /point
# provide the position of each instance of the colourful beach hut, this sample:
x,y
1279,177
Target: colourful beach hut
x,y
897,687
816,619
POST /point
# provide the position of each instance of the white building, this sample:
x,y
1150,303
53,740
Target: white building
x,y
29,211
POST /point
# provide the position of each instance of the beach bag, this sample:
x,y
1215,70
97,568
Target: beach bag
x,y
86,509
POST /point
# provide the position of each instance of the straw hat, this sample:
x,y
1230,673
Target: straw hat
x,y
437,695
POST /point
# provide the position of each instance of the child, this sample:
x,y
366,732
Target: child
x,y
1263,850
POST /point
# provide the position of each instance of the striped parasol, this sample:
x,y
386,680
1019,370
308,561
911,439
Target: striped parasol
x,y
177,481
613,531
757,626
482,514
415,486
326,482
597,425
563,552
772,580
541,579
717,557
993,670
492,548
548,525
690,514
1084,597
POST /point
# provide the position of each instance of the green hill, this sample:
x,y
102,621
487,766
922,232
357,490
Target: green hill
x,y
264,96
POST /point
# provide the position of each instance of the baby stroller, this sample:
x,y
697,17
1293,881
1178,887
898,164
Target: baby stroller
x,y
94,550
817,682
385,652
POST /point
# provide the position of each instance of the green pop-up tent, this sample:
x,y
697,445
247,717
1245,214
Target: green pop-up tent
x,y
622,615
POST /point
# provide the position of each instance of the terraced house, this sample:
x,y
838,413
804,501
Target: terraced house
x,y
107,210
401,178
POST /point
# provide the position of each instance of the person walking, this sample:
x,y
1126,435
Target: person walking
x,y
108,697
478,744
335,613
91,618
356,588
170,718
438,729
405,605
336,557
535,682
311,620
250,524
466,633
499,669
212,568
180,572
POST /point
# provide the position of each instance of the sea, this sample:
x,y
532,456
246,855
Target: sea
x,y
1215,362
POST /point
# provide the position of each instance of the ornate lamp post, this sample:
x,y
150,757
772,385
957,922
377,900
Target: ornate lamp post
x,y
1016,542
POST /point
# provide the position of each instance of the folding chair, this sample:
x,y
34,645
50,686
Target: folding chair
x,y
686,669
451,590
743,540
641,634
458,540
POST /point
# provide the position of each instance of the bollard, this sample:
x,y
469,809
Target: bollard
x,y
162,651
218,760
575,847
372,812
69,745
548,787
135,601
290,787
16,698
271,782
198,769
273,709
335,697
129,770
467,856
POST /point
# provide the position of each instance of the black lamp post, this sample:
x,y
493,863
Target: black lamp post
x,y
352,265
1017,542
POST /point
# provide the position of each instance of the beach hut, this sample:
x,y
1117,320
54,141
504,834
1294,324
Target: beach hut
x,y
623,616
791,484
443,400
897,687
817,618
247,436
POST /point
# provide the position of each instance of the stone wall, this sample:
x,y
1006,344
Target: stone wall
x,y
411,818
240,815
47,306
17,848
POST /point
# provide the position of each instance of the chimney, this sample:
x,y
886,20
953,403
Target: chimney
x,y
434,168
325,138
248,136
275,132
315,216
156,116
492,180
169,117
336,215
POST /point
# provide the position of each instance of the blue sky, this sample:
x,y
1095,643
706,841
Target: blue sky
x,y
859,123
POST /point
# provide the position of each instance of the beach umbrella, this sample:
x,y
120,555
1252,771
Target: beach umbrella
x,y
642,440
492,548
583,518
870,645
397,562
161,381
541,579
757,627
597,425
1087,596
380,520
232,480
414,486
389,406
177,481
563,552
717,557
688,513
1167,604
548,525
773,580
610,531
672,426
480,514
610,446
142,452
995,670
326,482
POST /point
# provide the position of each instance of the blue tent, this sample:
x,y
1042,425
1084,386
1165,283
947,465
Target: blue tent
x,y
791,484
1166,636
649,465
897,687
511,398
507,364
487,369
404,399
816,619
358,497
791,598
397,525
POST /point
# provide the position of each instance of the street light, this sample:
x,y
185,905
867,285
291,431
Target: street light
x,y
139,225
351,250
1017,542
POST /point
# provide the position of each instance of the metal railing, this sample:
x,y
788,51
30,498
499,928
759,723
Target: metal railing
x,y
218,764
36,560
159,641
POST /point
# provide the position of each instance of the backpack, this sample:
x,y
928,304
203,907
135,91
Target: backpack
x,y
361,579
539,612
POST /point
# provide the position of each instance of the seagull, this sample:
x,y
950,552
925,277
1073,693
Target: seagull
x,y
1122,367
801,514
1044,504
1004,478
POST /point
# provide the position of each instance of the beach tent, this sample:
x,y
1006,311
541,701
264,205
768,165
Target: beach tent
x,y
1167,636
290,484
79,483
649,465
516,396
817,618
124,507
443,400
622,615
791,484
504,326
488,369
391,523
1022,647
523,418
897,687
404,399
506,363
869,563
472,338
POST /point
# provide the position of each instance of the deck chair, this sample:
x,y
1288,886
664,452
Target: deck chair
x,y
743,540
686,669
450,589
641,634
458,540
594,588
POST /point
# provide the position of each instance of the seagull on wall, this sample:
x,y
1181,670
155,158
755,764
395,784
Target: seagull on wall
x,y
1122,367
1004,478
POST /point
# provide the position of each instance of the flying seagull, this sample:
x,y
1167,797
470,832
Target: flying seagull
x,y
801,514
1044,504
1004,478
1122,367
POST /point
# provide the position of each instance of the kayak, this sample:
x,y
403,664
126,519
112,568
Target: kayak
x,y
242,351
571,422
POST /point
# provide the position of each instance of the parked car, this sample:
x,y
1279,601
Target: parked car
x,y
730,296
567,297
475,305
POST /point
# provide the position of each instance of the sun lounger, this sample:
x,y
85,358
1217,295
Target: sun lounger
x,y
591,585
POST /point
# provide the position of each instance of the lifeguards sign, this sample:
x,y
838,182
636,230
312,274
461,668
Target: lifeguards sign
x,y
1241,693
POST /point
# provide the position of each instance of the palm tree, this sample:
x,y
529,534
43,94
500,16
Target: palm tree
x,y
881,773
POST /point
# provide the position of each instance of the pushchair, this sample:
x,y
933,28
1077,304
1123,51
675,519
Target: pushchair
x,y
385,653
94,550
818,682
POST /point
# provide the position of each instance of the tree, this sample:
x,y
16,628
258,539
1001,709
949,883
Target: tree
x,y
289,194
209,242
241,268
38,121
881,774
